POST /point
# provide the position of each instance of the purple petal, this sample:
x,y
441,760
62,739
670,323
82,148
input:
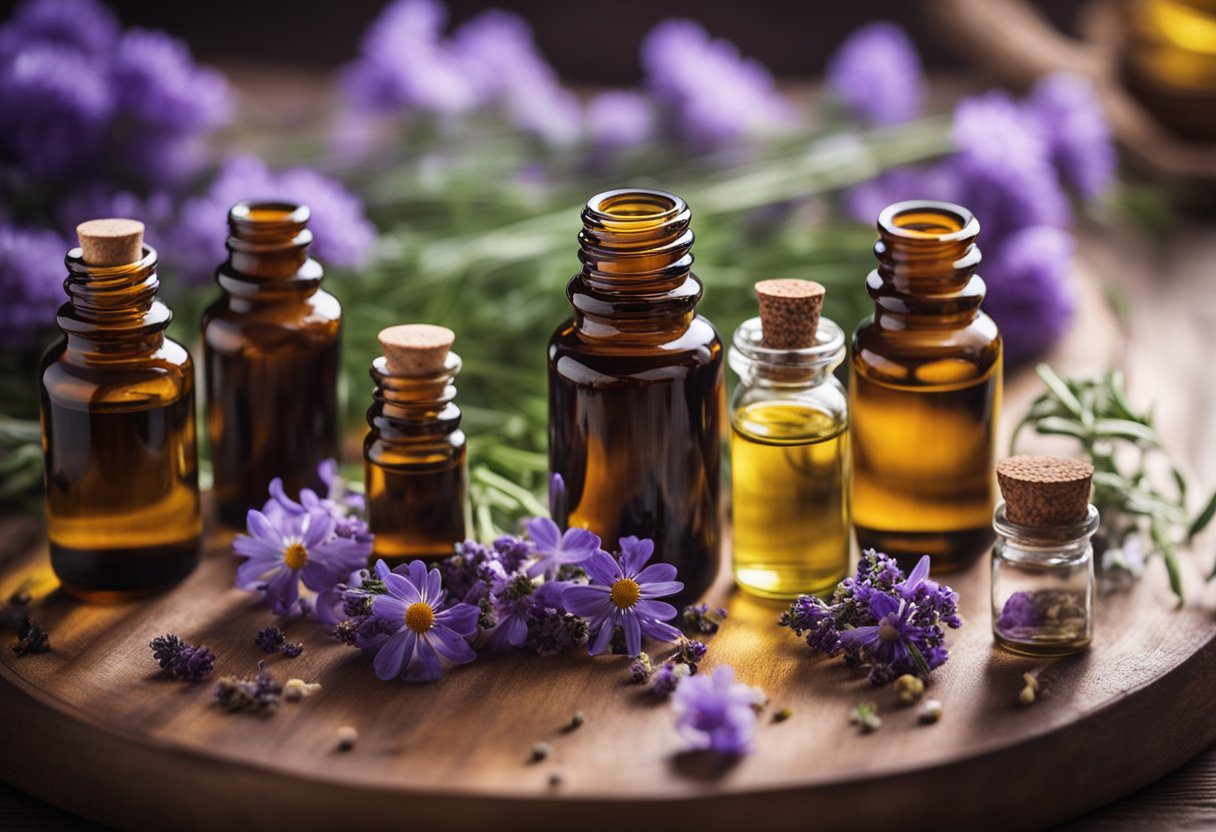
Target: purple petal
x,y
661,589
424,664
517,633
452,646
588,601
260,527
401,588
883,605
659,631
633,634
635,553
459,618
393,655
252,547
860,636
280,496
544,533
381,569
602,637
417,576
434,585
658,610
602,569
655,573
578,544
317,530
283,591
253,571
389,608
918,575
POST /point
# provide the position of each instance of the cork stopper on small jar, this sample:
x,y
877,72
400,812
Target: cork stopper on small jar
x,y
789,312
111,242
416,349
1045,491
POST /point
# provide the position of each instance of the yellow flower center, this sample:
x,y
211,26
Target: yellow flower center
x,y
295,555
419,617
625,593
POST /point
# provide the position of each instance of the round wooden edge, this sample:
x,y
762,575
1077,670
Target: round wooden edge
x,y
85,767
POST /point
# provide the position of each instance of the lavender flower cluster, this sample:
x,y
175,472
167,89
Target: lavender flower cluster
x,y
1013,164
549,592
880,620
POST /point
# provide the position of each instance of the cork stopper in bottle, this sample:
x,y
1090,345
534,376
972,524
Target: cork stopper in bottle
x,y
789,312
111,242
1045,491
416,349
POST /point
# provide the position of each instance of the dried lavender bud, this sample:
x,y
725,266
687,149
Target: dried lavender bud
x,y
782,714
640,669
269,639
540,751
180,660
258,694
347,737
165,649
910,688
690,652
667,678
31,639
865,717
16,610
345,631
698,618
291,651
930,712
576,720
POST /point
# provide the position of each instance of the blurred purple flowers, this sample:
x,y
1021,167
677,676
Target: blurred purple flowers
x,y
31,282
715,713
881,621
876,74
1011,164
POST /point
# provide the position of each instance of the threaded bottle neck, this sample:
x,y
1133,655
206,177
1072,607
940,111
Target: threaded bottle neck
x,y
927,258
114,308
636,251
414,405
267,241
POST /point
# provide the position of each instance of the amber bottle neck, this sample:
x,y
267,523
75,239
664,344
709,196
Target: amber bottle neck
x,y
113,311
927,258
636,250
414,406
268,253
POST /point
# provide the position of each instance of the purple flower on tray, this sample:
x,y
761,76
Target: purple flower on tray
x,y
622,594
290,548
877,74
715,713
344,506
553,549
413,603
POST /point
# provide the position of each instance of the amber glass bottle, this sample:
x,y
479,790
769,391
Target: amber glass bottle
x,y
122,502
925,391
636,387
414,458
270,355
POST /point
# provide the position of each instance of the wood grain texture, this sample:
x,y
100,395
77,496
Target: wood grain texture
x,y
92,728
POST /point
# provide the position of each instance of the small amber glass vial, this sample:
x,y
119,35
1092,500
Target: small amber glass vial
x,y
270,353
118,429
1043,560
925,392
415,465
789,446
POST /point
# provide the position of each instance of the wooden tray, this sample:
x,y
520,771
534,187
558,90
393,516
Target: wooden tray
x,y
93,728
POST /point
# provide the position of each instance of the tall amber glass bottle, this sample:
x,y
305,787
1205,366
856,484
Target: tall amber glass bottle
x,y
414,458
636,387
925,391
122,502
270,354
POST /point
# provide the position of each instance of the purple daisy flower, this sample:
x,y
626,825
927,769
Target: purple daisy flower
x,y
290,548
555,549
895,642
877,73
425,630
514,598
622,594
715,713
342,506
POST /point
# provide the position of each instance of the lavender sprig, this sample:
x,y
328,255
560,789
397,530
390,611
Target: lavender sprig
x,y
180,660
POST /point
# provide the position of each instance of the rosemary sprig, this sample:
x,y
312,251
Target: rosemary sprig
x,y
1124,448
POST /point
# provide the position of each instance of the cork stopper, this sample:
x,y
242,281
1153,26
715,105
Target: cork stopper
x,y
1045,491
416,349
111,242
789,312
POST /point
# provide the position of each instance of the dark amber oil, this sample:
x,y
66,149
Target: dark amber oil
x,y
925,392
122,510
270,353
636,387
414,465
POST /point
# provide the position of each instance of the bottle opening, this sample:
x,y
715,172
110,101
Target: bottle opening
x,y
634,205
928,220
268,216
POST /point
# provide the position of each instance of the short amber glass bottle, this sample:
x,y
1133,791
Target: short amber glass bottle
x,y
636,387
414,457
270,356
925,391
117,396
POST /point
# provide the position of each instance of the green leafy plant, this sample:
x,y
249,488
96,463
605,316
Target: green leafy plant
x,y
1129,465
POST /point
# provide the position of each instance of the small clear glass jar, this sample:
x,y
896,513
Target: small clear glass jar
x,y
1043,586
789,464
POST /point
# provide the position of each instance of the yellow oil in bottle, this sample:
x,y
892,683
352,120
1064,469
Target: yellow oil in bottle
x,y
789,469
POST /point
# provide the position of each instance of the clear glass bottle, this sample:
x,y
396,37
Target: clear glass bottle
x,y
925,391
636,387
415,465
270,354
789,464
117,399
1043,585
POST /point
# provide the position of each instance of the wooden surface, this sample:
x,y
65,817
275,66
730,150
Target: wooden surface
x,y
92,728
